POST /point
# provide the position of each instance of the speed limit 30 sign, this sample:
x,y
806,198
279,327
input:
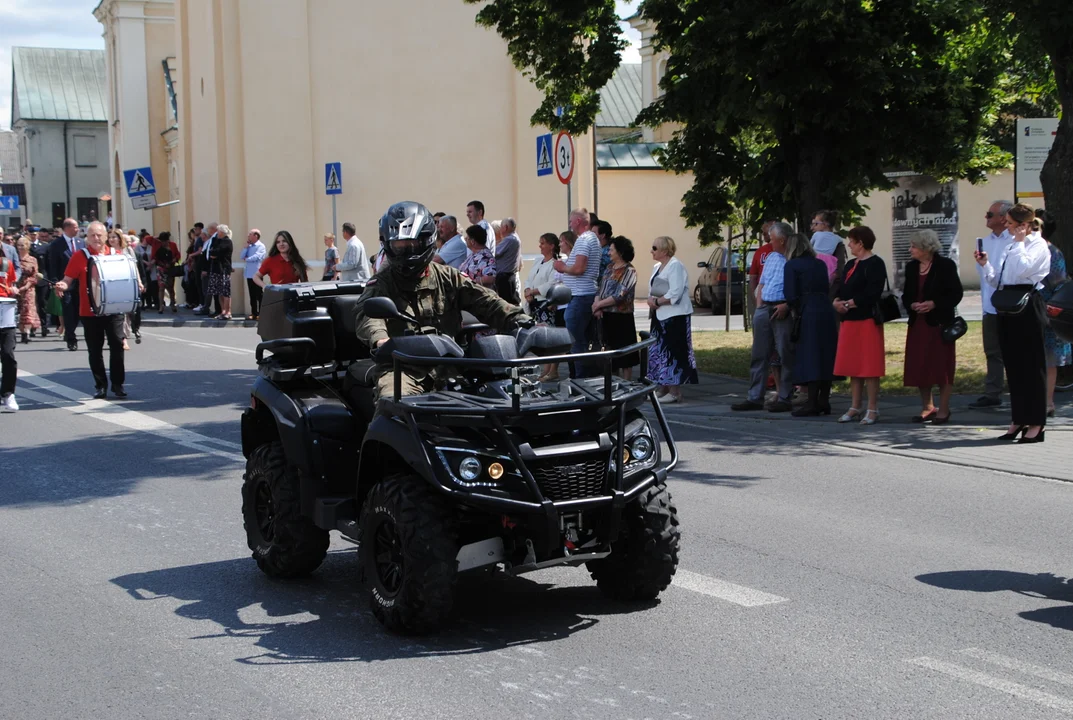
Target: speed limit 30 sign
x,y
564,157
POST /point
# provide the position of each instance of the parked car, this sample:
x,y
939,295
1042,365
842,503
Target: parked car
x,y
711,289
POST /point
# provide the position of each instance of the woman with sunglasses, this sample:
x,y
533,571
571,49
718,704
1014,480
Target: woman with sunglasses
x,y
284,264
1022,268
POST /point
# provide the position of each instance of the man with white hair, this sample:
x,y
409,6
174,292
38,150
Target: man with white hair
x,y
96,328
994,245
508,260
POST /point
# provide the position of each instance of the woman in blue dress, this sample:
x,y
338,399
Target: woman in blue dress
x,y
815,325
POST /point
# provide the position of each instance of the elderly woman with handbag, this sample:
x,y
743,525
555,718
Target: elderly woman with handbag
x,y
671,363
1018,276
861,353
932,293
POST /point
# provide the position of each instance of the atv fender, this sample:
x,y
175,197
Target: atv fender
x,y
290,424
389,448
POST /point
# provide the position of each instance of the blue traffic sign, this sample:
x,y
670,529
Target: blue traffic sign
x,y
543,155
9,202
139,182
333,178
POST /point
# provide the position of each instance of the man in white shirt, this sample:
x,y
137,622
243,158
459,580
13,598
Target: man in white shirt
x,y
355,263
453,251
580,272
475,215
994,244
59,253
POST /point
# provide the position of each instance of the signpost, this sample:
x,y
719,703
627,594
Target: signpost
x,y
333,185
1035,136
140,188
564,163
9,202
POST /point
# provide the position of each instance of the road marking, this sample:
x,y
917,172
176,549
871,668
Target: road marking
x,y
1021,667
75,401
976,677
197,343
737,594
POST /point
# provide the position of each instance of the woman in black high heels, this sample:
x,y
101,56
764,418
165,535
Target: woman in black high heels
x,y
1024,264
805,283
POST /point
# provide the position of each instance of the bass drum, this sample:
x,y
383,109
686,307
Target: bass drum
x,y
113,284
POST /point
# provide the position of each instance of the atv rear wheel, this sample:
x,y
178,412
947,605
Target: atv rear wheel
x,y
644,558
284,543
408,554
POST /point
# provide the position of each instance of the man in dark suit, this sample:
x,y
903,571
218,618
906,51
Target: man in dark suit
x,y
59,254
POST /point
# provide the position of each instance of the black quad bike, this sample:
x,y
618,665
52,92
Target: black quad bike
x,y
491,471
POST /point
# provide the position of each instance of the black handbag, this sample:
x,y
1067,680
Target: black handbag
x,y
886,308
1009,301
955,330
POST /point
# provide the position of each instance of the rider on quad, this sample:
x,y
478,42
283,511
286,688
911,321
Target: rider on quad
x,y
434,294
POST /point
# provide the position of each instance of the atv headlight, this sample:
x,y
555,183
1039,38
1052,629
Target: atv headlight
x,y
469,469
641,448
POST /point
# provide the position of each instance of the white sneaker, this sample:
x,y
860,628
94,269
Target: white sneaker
x,y
8,404
197,308
667,399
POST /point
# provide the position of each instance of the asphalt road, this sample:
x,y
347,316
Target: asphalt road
x,y
816,581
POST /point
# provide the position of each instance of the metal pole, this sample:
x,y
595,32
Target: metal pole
x,y
335,221
569,200
726,264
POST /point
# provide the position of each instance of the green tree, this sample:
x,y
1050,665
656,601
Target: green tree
x,y
800,105
570,49
1045,28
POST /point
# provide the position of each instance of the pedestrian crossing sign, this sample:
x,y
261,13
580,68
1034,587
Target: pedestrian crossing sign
x,y
139,182
333,178
543,155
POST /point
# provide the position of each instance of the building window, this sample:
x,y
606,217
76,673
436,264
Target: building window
x,y
85,151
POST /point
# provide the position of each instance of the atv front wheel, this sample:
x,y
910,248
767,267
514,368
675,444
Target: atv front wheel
x,y
644,558
284,543
408,554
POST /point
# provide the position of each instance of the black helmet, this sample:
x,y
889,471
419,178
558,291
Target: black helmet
x,y
406,235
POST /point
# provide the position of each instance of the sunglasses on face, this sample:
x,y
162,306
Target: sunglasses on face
x,y
655,249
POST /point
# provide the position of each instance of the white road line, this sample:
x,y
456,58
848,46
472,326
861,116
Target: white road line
x,y
75,401
976,677
1019,666
737,594
196,343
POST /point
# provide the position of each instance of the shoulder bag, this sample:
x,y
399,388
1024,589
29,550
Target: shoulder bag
x,y
886,308
955,330
1009,301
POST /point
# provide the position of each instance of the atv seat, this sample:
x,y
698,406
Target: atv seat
x,y
343,311
358,388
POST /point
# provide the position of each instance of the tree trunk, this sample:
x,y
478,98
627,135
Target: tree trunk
x,y
1056,178
810,188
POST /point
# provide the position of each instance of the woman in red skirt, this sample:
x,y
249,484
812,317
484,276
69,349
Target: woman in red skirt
x,y
932,292
861,354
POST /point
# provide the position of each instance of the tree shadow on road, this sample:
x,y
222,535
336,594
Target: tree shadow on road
x,y
1042,585
325,618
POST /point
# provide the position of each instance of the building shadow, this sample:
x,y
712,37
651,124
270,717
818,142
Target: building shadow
x,y
1041,585
325,618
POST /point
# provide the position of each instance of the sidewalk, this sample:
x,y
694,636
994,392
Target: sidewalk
x,y
968,439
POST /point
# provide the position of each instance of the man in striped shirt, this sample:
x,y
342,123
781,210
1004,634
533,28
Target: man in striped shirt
x,y
580,270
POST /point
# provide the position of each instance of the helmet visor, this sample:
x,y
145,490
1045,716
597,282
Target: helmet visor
x,y
408,246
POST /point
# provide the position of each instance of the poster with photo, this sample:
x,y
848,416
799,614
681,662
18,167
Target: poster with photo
x,y
921,202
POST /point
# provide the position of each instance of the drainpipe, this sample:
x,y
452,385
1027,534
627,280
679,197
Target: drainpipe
x,y
66,175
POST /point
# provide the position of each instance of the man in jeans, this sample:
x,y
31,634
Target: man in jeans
x,y
994,244
772,326
580,272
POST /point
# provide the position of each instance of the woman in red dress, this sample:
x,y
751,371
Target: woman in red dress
x,y
932,292
28,317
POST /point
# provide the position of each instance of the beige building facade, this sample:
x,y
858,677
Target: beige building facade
x,y
269,91
139,47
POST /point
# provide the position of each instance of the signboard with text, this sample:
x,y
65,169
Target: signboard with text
x,y
1035,136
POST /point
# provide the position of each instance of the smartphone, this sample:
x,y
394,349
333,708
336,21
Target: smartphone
x,y
979,245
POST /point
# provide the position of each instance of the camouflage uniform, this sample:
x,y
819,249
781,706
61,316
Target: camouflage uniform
x,y
436,299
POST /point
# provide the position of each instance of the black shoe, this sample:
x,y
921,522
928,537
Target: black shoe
x,y
72,346
925,418
25,338
779,406
100,394
33,333
118,391
805,411
746,405
1013,435
44,332
137,337
1026,439
940,420
985,402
